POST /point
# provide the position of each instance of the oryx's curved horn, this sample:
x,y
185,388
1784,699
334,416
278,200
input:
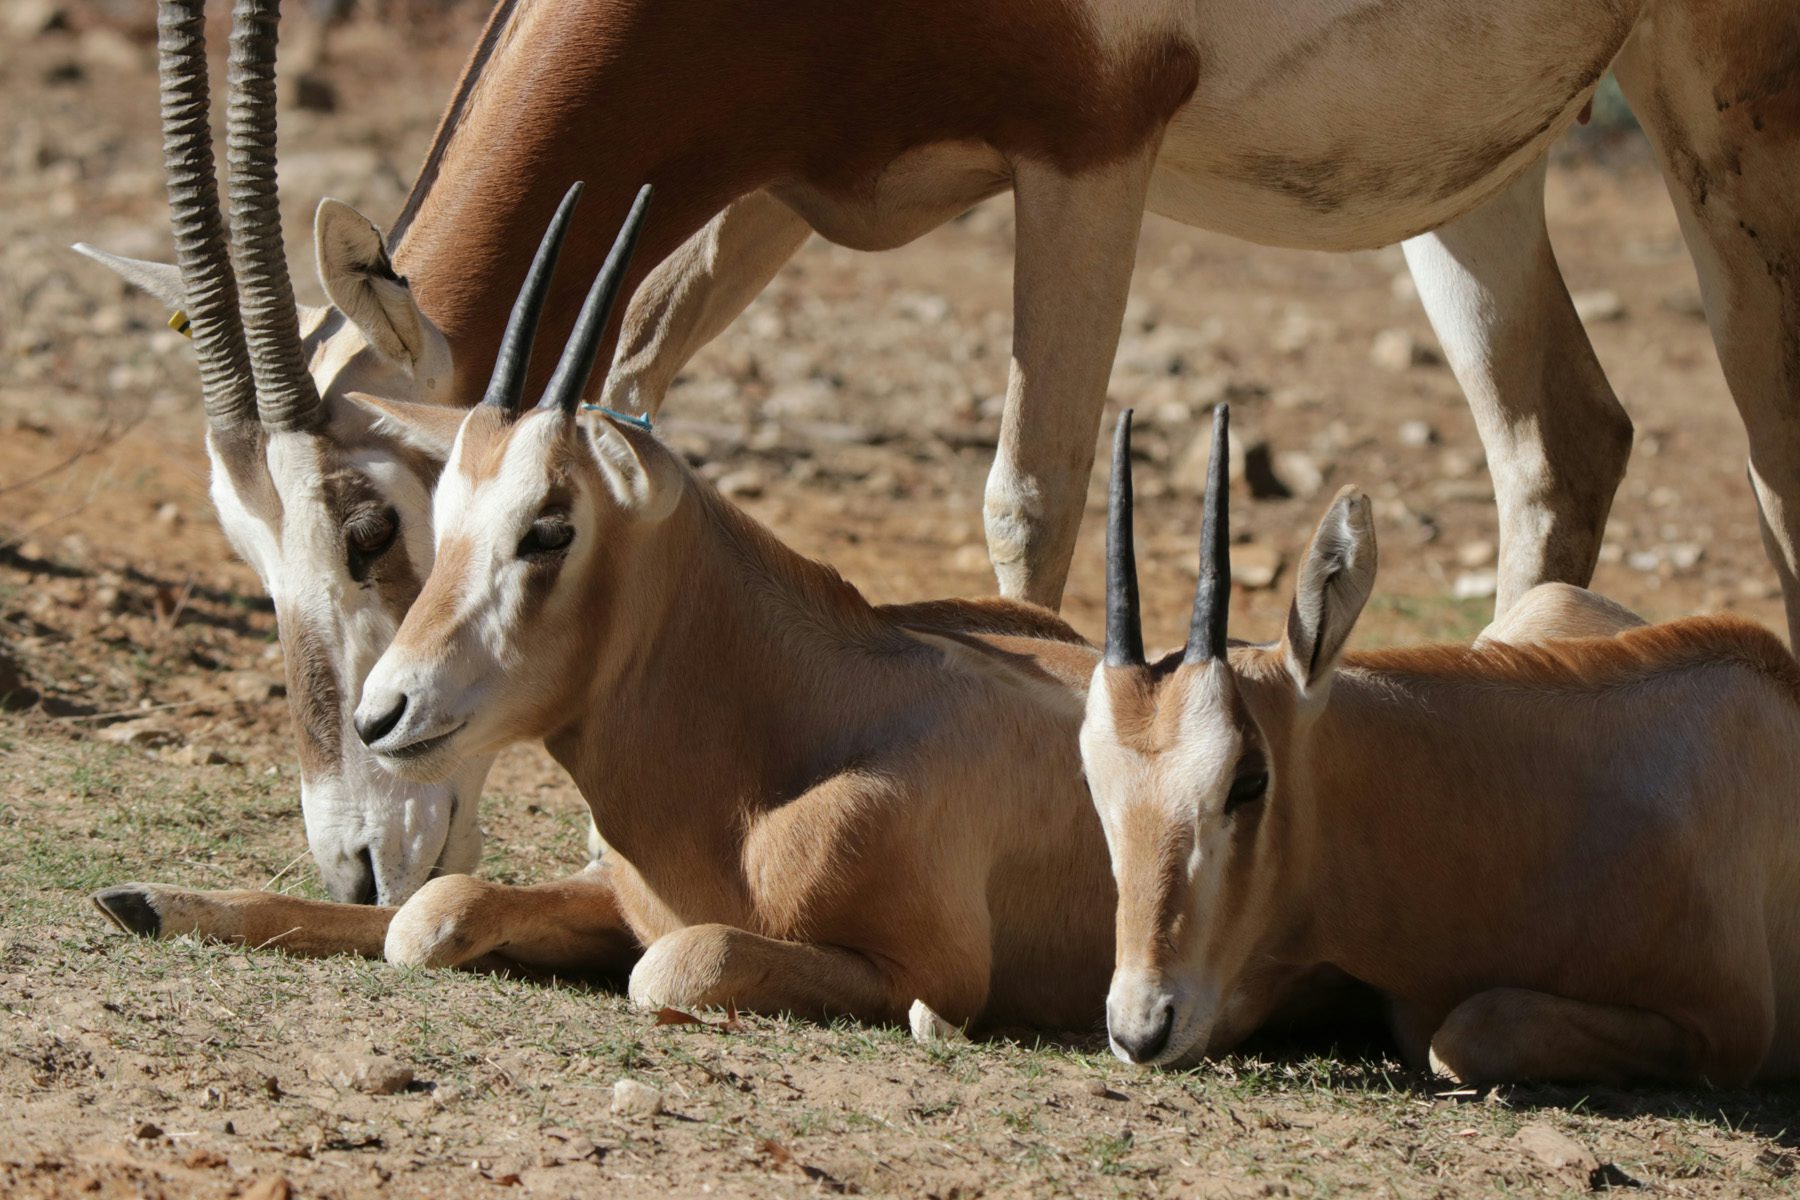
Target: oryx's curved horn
x,y
1124,634
1212,596
285,395
212,300
576,365
507,382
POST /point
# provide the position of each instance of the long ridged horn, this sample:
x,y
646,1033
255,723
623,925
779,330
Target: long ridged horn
x,y
1124,633
576,365
286,398
507,383
1212,596
226,386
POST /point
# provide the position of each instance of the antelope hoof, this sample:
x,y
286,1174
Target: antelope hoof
x,y
439,926
129,906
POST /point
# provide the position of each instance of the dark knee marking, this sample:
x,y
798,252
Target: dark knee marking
x,y
130,909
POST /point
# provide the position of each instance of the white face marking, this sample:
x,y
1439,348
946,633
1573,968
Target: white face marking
x,y
1149,803
454,684
373,835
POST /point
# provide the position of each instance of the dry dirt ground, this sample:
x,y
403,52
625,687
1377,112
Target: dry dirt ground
x,y
143,734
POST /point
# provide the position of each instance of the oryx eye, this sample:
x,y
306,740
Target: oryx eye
x,y
1249,786
367,535
548,536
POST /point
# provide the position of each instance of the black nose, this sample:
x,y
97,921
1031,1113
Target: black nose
x,y
1154,1042
373,731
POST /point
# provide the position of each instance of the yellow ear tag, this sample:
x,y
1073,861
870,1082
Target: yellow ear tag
x,y
178,321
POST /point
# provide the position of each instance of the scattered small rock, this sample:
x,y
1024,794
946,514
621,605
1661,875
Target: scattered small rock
x,y
275,1187
145,732
34,18
253,687
1417,434
928,1027
1686,302
1397,350
168,514
1598,307
1475,585
1300,472
199,755
371,1074
147,1131
742,484
634,1099
1553,1148
1475,554
1460,464
1255,566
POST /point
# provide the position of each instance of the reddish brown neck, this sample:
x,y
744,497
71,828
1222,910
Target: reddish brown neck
x,y
711,99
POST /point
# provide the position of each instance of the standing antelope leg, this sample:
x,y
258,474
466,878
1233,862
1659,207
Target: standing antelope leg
x,y
571,925
715,965
695,293
1077,241
1716,92
1514,1034
1556,438
312,928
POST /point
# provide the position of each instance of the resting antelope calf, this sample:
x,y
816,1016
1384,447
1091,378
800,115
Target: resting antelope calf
x,y
810,804
1570,860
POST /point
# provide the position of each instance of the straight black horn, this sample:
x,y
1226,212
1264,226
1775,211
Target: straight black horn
x,y
1212,595
577,363
1124,633
507,383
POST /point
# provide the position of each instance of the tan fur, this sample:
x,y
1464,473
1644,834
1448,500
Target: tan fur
x,y
809,803
1560,859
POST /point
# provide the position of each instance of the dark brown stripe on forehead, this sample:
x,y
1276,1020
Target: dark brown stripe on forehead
x,y
313,696
484,437
1147,706
433,614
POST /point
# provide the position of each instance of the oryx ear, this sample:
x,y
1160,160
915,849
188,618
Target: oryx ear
x,y
1334,582
430,429
357,275
162,280
640,471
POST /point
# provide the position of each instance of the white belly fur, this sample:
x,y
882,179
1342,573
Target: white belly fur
x,y
1318,124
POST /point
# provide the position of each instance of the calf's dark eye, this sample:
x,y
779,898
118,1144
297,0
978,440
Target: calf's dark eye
x,y
547,536
1245,789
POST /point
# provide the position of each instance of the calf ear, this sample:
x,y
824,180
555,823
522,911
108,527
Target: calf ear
x,y
640,471
357,275
162,280
430,429
1334,582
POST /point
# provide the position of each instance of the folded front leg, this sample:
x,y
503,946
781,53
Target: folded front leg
x,y
313,928
571,926
1513,1035
717,965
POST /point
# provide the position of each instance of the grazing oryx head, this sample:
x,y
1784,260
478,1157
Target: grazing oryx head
x,y
530,503
1196,762
323,494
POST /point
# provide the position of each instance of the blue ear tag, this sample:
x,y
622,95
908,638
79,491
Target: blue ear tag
x,y
641,422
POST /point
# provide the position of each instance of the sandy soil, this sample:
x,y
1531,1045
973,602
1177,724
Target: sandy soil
x,y
854,408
